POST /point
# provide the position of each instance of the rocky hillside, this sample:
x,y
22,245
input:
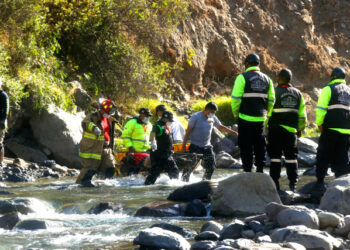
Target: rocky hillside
x,y
309,37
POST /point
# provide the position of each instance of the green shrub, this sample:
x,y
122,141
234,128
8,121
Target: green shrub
x,y
224,105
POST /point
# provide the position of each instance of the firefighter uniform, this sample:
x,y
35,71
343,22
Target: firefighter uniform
x,y
96,151
252,97
333,114
161,158
136,134
287,117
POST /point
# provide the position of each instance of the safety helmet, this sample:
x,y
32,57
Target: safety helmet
x,y
252,59
168,115
145,111
160,107
338,73
108,106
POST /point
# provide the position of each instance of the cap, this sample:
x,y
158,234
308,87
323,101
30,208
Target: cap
x,y
161,107
168,115
145,111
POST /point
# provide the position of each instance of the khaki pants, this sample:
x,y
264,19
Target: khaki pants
x,y
100,166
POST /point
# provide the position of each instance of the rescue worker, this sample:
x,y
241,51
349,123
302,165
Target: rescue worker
x,y
286,121
333,120
176,127
253,96
137,131
4,111
96,146
200,127
162,149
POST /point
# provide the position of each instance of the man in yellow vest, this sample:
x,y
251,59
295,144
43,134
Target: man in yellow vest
x,y
96,146
137,131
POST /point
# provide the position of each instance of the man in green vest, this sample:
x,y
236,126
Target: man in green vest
x,y
252,97
137,131
286,120
333,120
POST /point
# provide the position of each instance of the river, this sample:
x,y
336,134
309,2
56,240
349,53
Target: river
x,y
63,205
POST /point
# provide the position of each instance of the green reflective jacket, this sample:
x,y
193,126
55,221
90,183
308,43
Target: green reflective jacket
x,y
136,135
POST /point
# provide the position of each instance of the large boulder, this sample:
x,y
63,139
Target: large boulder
x,y
306,159
8,221
31,225
200,190
246,193
307,145
337,196
328,219
309,238
60,132
24,152
225,160
158,238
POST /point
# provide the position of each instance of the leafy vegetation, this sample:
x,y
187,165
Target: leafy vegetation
x,y
105,44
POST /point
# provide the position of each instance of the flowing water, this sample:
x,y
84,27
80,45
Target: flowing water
x,y
64,205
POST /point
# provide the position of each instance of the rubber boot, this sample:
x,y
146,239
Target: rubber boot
x,y
109,173
150,180
86,181
292,186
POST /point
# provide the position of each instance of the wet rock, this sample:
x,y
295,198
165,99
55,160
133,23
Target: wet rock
x,y
204,245
161,209
50,173
249,234
292,215
173,228
156,237
103,206
309,238
9,220
256,226
32,225
256,190
70,210
2,192
207,236
328,219
200,190
306,159
211,226
196,208
10,207
224,160
306,145
269,226
232,230
261,218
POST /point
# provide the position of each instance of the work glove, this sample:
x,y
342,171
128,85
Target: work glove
x,y
154,145
97,131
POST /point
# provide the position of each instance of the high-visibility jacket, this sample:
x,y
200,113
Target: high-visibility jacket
x,y
91,146
136,134
252,95
333,107
289,110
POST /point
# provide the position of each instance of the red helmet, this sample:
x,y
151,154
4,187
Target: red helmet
x,y
108,106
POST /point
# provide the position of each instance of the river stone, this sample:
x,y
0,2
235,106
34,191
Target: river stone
x,y
261,218
8,221
292,215
242,243
264,238
328,219
103,206
204,245
25,152
343,228
159,238
256,226
2,192
223,248
31,225
249,234
12,206
60,132
224,160
306,159
200,190
212,226
161,209
294,246
309,238
232,230
207,236
196,208
307,145
242,194
172,228
336,199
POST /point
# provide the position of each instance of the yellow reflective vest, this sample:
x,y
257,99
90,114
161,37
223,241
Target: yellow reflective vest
x,y
91,146
136,134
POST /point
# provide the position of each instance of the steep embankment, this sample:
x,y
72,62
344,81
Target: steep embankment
x,y
309,37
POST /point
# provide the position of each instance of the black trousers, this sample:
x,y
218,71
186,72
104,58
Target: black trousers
x,y
208,158
332,149
162,161
280,141
251,142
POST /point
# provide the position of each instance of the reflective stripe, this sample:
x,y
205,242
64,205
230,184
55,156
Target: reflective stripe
x,y
255,95
127,137
284,110
318,107
339,106
235,97
93,136
89,156
91,126
291,161
271,100
275,160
